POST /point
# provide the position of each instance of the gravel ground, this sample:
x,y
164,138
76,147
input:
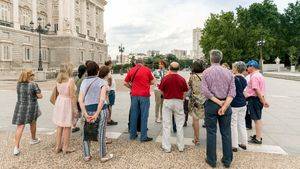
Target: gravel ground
x,y
128,154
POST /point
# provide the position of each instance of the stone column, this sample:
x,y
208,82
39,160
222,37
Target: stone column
x,y
50,14
15,12
93,24
66,23
34,12
83,17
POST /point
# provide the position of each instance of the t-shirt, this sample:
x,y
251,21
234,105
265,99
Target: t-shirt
x,y
93,94
240,84
173,86
140,86
257,81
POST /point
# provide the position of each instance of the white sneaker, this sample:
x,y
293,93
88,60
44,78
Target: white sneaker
x,y
16,151
158,121
35,141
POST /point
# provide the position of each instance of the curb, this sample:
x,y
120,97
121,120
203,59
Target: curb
x,y
280,76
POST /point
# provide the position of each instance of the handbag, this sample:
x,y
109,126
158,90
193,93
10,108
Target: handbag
x,y
54,95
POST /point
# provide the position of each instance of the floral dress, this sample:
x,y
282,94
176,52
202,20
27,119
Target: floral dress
x,y
196,98
27,107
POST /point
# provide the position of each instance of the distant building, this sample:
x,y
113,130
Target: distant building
x,y
125,59
152,53
138,55
180,54
197,50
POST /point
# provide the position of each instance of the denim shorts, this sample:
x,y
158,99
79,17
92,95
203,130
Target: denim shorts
x,y
112,97
254,108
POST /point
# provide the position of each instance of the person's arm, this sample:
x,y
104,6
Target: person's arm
x,y
37,91
127,80
262,98
82,106
101,102
152,79
231,94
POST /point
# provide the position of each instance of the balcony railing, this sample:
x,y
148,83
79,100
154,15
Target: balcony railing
x,y
7,24
92,38
81,35
24,27
100,40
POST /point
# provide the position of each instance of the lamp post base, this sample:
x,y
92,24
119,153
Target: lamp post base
x,y
40,76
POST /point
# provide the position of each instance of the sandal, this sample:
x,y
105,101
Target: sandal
x,y
196,142
57,151
108,141
68,151
88,158
105,159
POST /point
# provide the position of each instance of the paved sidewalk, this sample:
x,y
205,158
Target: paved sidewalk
x,y
284,75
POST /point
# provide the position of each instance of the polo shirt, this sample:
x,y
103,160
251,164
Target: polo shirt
x,y
257,82
173,86
140,86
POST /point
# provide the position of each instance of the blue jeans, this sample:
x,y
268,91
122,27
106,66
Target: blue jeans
x,y
211,119
139,105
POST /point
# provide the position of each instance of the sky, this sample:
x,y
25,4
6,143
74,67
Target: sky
x,y
142,25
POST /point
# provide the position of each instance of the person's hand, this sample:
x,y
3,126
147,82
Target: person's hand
x,y
222,111
221,103
266,104
94,117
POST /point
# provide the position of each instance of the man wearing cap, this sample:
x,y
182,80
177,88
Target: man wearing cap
x,y
256,99
218,86
173,87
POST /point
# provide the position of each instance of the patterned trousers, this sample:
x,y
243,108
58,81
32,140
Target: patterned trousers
x,y
101,136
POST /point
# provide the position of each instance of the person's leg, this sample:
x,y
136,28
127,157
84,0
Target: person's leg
x,y
196,130
19,132
86,150
186,111
258,129
144,109
101,133
179,119
133,117
225,129
211,110
33,130
234,129
166,125
157,104
66,139
58,147
174,124
242,126
248,120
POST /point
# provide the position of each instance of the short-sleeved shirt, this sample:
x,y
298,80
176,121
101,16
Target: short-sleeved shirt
x,y
240,85
257,82
92,96
140,86
173,86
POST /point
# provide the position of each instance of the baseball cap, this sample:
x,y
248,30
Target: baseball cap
x,y
253,63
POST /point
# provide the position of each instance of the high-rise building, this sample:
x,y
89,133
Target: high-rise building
x,y
197,50
180,54
76,33
152,53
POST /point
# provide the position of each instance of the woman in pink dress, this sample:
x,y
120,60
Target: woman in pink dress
x,y
64,108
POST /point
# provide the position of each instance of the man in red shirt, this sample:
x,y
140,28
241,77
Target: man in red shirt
x,y
173,87
138,80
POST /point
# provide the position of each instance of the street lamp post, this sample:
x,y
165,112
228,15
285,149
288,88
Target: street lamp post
x,y
261,43
40,30
121,50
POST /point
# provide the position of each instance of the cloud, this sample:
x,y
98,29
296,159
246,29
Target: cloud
x,y
142,25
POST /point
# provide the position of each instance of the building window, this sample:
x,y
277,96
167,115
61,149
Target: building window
x,y
88,32
6,52
45,55
27,54
25,16
43,16
77,29
87,6
4,11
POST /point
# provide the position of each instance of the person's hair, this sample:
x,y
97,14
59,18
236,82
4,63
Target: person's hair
x,y
240,66
92,68
216,56
87,62
198,66
81,70
139,61
174,69
225,65
103,71
164,63
107,63
65,73
26,76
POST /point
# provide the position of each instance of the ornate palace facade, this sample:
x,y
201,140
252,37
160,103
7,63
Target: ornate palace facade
x,y
76,33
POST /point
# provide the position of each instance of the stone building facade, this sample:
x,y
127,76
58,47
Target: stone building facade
x,y
76,33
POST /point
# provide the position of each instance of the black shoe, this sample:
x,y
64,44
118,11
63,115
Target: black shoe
x,y
249,128
75,129
112,123
211,165
255,141
225,165
243,147
185,124
234,150
147,139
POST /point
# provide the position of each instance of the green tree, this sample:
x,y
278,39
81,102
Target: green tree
x,y
293,55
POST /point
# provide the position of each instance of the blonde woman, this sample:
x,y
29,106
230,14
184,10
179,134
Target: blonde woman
x,y
27,108
64,108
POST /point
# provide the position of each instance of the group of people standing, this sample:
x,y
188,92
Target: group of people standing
x,y
215,94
